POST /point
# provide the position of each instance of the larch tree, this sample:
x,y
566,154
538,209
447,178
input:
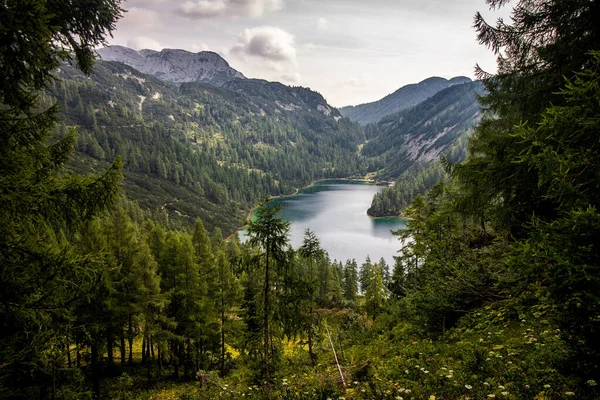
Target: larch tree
x,y
269,233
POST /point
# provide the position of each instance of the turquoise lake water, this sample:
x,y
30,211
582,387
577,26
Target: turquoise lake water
x,y
337,212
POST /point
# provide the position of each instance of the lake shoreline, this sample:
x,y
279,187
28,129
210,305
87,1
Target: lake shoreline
x,y
298,190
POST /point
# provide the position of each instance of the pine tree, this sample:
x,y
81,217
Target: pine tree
x,y
375,292
270,234
350,280
365,274
230,291
547,41
42,207
310,250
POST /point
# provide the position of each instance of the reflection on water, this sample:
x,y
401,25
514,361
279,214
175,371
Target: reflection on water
x,y
336,212
381,227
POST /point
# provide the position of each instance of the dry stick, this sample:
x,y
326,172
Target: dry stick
x,y
336,359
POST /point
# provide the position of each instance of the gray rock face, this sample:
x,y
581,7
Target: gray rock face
x,y
175,66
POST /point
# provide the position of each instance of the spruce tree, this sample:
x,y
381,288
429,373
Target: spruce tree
x,y
41,206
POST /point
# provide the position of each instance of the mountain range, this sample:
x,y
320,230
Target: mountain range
x,y
423,132
404,98
199,150
410,143
199,139
175,66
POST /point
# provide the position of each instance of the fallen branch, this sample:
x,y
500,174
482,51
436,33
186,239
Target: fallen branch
x,y
336,359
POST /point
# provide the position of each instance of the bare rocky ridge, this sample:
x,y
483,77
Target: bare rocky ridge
x,y
176,66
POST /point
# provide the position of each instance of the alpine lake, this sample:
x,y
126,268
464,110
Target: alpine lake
x,y
336,211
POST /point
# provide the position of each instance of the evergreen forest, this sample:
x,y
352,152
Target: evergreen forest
x,y
122,277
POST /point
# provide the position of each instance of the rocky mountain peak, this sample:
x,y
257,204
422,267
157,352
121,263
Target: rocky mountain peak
x,y
175,65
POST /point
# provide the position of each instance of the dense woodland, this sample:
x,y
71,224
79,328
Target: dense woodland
x,y
202,151
494,293
410,146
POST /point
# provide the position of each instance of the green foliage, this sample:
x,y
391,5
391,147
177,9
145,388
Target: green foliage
x,y
416,180
37,35
199,151
494,294
422,132
269,233
43,208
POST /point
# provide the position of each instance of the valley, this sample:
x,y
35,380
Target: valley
x,y
131,155
251,138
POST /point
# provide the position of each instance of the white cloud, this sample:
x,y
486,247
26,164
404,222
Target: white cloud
x,y
268,51
203,9
322,24
267,42
144,42
200,47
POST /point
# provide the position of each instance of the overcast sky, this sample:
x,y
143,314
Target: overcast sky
x,y
351,51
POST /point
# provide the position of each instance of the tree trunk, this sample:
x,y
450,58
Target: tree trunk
x,y
152,348
197,345
266,316
176,354
123,351
313,356
159,357
222,337
186,351
95,370
130,338
222,321
78,350
110,339
148,375
144,349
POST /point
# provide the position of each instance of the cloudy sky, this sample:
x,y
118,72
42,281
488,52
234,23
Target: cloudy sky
x,y
351,51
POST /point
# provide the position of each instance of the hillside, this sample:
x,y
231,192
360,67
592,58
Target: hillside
x,y
422,133
200,150
409,144
494,292
406,97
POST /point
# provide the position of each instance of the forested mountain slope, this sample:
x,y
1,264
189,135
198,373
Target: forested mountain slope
x,y
409,145
422,133
200,150
406,97
416,180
